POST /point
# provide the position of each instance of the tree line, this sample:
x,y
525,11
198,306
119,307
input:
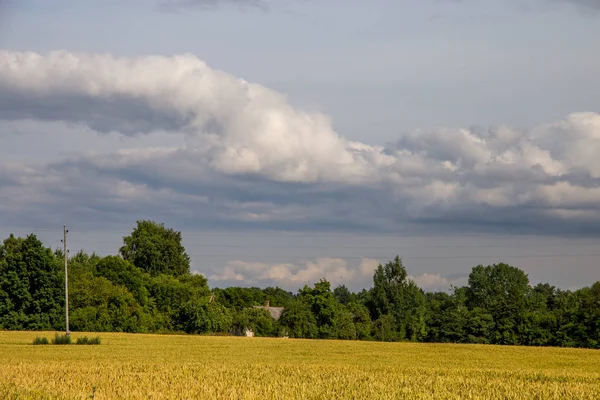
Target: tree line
x,y
148,287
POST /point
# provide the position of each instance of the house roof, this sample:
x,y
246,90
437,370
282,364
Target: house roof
x,y
274,311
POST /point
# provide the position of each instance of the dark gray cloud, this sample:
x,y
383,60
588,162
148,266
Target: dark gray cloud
x,y
124,115
103,191
252,161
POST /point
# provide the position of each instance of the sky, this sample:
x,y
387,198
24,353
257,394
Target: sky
x,y
296,140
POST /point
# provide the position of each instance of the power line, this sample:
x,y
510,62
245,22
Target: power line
x,y
402,257
376,257
326,236
476,246
363,247
286,234
392,246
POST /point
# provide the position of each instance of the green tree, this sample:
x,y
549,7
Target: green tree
x,y
540,322
239,298
447,317
257,320
323,306
343,295
361,319
81,264
31,286
346,329
278,297
156,250
170,294
201,316
590,315
121,272
101,306
501,290
298,321
577,317
480,325
394,294
384,329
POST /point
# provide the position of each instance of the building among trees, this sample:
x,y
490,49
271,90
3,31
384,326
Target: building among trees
x,y
274,311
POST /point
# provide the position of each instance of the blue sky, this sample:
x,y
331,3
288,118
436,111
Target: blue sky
x,y
445,118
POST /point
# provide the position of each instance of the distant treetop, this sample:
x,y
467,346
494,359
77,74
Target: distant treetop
x,y
156,249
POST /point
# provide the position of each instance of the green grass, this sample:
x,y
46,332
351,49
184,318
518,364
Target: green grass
x,y
175,367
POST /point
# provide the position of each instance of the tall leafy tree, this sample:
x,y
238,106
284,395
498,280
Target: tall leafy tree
x,y
277,296
501,290
384,329
540,320
31,285
447,318
343,295
257,320
590,315
298,321
156,249
345,325
202,316
395,295
170,295
238,298
324,307
122,272
361,319
100,305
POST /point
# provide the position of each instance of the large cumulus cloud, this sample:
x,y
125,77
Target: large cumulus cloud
x,y
244,128
250,158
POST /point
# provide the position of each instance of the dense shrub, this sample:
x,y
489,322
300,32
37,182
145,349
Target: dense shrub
x,y
40,340
86,340
61,339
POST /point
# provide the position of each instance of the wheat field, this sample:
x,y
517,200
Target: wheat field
x,y
129,366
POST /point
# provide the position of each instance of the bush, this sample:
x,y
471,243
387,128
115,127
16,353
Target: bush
x,y
61,339
40,340
86,340
198,316
95,340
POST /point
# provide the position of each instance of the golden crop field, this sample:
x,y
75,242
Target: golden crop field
x,y
129,366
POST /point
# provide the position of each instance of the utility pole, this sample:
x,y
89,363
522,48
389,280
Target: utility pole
x,y
65,231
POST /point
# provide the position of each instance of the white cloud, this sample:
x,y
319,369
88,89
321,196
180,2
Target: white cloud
x,y
436,282
239,127
250,157
335,270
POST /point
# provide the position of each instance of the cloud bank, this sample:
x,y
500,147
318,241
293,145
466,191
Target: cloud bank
x,y
250,159
336,270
